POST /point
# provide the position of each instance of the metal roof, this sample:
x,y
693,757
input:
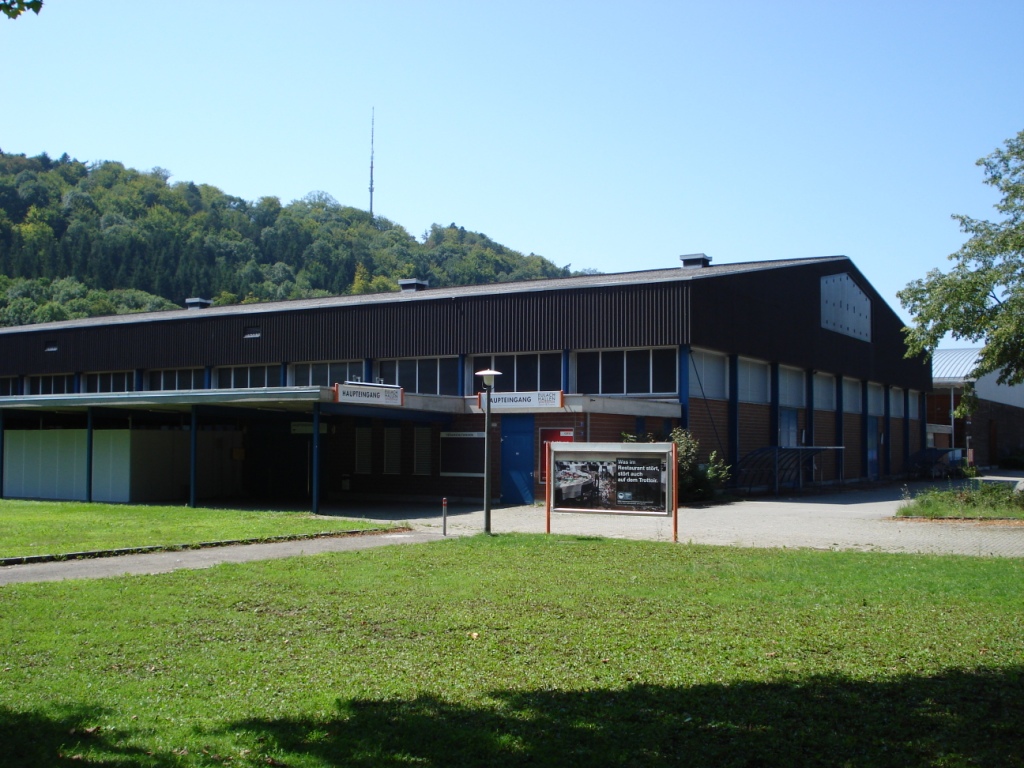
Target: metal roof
x,y
954,366
675,274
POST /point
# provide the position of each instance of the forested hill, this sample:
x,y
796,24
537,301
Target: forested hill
x,y
81,240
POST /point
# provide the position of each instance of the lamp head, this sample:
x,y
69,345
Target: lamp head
x,y
488,377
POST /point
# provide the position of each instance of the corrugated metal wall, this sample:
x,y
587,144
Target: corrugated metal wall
x,y
628,316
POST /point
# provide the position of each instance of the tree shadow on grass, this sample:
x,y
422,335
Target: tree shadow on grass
x,y
67,738
953,719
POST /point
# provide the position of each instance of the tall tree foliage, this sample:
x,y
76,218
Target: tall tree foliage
x,y
115,228
981,299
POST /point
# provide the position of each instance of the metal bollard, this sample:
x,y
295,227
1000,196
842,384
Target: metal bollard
x,y
444,517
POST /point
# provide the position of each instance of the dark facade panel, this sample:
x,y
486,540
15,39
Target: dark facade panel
x,y
775,315
637,315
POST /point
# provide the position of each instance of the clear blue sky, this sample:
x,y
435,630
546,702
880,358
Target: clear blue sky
x,y
607,135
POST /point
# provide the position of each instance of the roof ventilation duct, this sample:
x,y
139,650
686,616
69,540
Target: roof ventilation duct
x,y
412,284
695,260
196,303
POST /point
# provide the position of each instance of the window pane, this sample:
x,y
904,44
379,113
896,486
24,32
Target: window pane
x,y
273,375
612,378
119,382
588,366
428,376
550,372
407,375
638,371
388,371
240,378
448,369
302,375
663,370
318,375
421,462
507,381
257,376
526,373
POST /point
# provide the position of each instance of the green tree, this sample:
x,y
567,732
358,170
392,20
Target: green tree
x,y
981,299
12,9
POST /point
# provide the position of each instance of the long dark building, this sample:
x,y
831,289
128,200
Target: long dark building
x,y
356,396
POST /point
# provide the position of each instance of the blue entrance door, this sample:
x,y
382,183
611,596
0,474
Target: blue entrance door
x,y
517,459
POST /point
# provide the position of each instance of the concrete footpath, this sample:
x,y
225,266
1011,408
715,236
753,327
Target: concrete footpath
x,y
856,518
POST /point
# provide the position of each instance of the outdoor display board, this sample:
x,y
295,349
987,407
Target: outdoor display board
x,y
462,454
612,478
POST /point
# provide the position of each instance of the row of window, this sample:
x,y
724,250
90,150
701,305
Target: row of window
x,y
645,372
709,378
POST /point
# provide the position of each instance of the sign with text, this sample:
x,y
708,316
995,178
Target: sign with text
x,y
505,401
617,478
369,394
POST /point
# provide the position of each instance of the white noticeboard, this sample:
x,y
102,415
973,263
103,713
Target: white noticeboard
x,y
612,478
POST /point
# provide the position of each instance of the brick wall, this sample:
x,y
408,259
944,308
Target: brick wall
x,y
827,462
853,466
755,427
896,443
709,423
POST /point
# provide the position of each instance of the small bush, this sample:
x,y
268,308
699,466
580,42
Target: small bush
x,y
696,481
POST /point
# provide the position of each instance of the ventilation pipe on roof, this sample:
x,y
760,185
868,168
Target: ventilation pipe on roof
x,y
411,285
196,303
695,260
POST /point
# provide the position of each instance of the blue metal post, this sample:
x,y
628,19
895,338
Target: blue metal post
x,y
193,459
88,453
316,459
684,385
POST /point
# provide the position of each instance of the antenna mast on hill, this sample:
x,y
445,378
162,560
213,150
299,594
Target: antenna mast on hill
x,y
371,161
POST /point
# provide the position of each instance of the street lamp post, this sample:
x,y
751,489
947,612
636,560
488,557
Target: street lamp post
x,y
488,377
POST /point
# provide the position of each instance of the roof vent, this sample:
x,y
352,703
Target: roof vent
x,y
198,303
412,284
695,260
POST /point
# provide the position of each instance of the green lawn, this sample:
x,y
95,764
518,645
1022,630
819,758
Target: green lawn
x,y
969,500
523,650
54,528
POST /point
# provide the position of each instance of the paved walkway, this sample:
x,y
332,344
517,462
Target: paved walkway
x,y
852,519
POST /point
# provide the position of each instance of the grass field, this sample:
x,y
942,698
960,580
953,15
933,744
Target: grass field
x,y
54,528
523,650
969,500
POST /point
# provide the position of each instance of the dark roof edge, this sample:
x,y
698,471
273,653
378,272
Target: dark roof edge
x,y
604,280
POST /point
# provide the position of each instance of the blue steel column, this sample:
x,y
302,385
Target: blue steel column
x,y
906,430
684,385
462,375
864,469
809,411
922,410
88,453
774,418
734,410
840,430
887,430
316,458
193,475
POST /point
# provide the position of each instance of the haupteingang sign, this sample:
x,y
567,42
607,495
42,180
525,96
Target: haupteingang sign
x,y
612,478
